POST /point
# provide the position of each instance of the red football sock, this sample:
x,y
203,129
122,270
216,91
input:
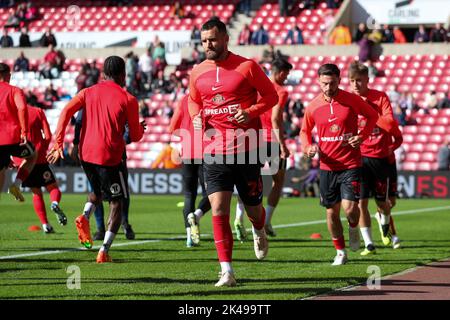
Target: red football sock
x,y
339,243
259,223
223,238
22,174
39,207
55,193
391,224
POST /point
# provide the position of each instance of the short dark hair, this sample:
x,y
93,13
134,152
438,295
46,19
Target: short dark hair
x,y
280,64
4,69
214,22
114,66
329,69
357,68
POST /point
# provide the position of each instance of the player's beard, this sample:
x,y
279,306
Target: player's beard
x,y
215,54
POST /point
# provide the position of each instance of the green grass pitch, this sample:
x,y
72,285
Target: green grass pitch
x,y
157,265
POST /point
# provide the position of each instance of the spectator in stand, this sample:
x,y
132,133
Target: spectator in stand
x,y
394,96
13,20
407,102
245,7
388,35
309,4
341,35
360,32
21,63
50,94
268,55
60,60
165,160
198,56
146,68
283,4
92,73
31,12
24,39
143,109
421,35
195,36
160,84
159,58
438,34
443,156
177,10
80,80
295,35
399,37
51,56
445,102
328,21
167,109
365,48
260,36
296,107
131,68
431,101
399,114
245,36
48,38
6,41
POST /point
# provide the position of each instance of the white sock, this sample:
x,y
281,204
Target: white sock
x,y
385,219
341,251
198,214
188,233
240,209
269,213
226,267
55,203
366,233
109,238
257,233
89,207
18,182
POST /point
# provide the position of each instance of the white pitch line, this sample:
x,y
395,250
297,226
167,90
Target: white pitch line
x,y
123,244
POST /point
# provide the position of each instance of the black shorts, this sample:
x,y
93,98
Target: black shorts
x,y
338,185
246,178
272,157
392,183
108,182
375,173
41,175
16,150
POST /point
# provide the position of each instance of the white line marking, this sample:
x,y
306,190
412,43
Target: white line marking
x,y
123,244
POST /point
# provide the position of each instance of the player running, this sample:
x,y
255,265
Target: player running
x,y
335,114
375,152
42,175
223,100
107,108
192,168
13,133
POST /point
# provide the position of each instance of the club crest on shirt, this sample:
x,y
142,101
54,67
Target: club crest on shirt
x,y
362,122
334,128
218,98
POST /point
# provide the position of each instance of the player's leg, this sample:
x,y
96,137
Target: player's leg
x,y
2,178
129,232
39,208
29,154
99,215
249,185
55,194
330,198
239,228
219,186
115,189
368,178
190,183
204,206
273,199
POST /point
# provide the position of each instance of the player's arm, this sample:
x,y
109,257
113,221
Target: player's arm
x,y
136,129
398,137
277,123
361,107
175,122
47,134
195,104
268,96
73,106
21,104
306,135
386,121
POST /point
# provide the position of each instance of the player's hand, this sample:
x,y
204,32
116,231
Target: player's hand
x,y
197,122
242,116
311,151
143,124
23,138
355,141
54,155
285,153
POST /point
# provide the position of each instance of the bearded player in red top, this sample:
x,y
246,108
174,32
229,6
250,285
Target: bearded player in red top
x,y
42,175
107,109
335,114
375,152
13,132
223,100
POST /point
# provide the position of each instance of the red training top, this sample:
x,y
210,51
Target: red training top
x,y
107,108
218,89
39,134
266,117
13,114
336,122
